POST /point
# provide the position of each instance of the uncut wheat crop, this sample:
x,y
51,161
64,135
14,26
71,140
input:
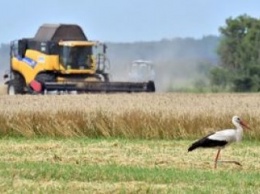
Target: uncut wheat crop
x,y
145,115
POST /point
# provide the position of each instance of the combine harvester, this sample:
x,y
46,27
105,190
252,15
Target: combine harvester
x,y
60,59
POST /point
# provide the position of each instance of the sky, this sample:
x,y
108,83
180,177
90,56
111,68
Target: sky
x,y
123,20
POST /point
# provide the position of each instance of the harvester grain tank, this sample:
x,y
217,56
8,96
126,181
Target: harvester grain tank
x,y
60,58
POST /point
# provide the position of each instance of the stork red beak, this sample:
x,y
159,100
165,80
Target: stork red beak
x,y
244,125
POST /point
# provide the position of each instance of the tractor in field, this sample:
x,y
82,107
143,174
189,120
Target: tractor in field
x,y
60,58
141,71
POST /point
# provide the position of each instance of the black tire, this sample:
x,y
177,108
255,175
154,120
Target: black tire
x,y
16,85
150,86
10,89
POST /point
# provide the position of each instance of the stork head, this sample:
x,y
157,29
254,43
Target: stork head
x,y
238,122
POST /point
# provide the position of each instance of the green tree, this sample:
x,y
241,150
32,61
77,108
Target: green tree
x,y
239,52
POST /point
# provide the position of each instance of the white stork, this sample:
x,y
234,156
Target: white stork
x,y
222,138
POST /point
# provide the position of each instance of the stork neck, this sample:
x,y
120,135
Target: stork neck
x,y
239,133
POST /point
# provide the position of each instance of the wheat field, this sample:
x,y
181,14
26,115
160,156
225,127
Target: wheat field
x,y
147,116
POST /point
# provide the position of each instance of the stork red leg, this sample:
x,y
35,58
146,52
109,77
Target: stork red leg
x,y
216,159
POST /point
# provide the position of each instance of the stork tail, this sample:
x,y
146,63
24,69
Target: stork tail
x,y
199,143
194,146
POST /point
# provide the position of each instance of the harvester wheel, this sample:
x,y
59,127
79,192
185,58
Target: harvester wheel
x,y
16,85
10,89
150,86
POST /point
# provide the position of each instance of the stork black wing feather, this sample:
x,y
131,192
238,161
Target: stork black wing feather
x,y
205,142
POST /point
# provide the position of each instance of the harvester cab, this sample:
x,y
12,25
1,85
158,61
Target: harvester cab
x,y
61,59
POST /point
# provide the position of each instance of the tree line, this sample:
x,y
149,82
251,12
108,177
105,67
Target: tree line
x,y
239,53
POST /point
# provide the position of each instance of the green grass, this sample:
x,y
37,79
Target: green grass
x,y
173,179
81,165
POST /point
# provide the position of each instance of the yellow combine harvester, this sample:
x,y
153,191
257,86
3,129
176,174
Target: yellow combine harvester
x,y
61,59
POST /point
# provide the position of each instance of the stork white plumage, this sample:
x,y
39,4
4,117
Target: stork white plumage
x,y
221,139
